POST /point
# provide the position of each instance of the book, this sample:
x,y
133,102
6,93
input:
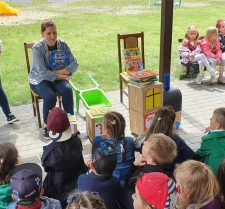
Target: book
x,y
133,60
143,74
59,59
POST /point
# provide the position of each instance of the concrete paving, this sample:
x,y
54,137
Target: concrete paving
x,y
198,104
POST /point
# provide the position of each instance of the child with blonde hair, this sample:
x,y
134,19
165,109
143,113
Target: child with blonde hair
x,y
8,161
114,125
190,52
85,200
197,187
210,47
158,153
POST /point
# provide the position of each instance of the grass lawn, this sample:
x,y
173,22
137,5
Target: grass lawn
x,y
90,27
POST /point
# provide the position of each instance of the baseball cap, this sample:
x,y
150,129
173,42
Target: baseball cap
x,y
58,125
26,182
158,190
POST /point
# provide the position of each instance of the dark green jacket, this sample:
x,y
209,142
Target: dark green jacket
x,y
212,149
5,195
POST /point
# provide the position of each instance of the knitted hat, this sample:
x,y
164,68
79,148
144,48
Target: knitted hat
x,y
158,190
26,182
58,125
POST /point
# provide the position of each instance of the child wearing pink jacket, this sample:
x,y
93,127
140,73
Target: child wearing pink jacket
x,y
210,46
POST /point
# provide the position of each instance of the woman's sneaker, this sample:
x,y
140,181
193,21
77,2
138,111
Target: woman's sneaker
x,y
199,80
11,118
213,79
46,133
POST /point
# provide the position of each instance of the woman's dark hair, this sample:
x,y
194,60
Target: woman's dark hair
x,y
47,23
221,179
163,122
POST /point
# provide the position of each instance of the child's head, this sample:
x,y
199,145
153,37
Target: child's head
x,y
160,148
211,33
220,24
58,125
114,124
221,176
192,33
85,200
8,160
185,42
218,119
163,122
26,184
155,190
104,158
196,183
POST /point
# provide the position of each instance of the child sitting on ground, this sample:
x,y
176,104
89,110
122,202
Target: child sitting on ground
x,y
164,122
114,127
197,187
27,189
62,157
100,178
212,149
190,52
8,160
85,200
155,190
158,153
210,47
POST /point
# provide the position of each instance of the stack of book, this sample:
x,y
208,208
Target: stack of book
x,y
143,77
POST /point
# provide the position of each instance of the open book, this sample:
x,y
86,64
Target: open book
x,y
59,59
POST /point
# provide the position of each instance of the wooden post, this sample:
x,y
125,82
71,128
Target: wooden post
x,y
165,37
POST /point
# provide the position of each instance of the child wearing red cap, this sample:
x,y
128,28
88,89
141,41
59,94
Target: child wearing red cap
x,y
62,157
197,187
155,191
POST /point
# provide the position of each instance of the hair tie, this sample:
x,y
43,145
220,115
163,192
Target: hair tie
x,y
159,118
206,168
113,122
2,161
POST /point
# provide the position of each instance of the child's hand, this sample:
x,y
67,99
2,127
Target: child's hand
x,y
218,62
191,56
140,161
90,164
208,129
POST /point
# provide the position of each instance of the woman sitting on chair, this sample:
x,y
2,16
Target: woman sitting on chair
x,y
53,65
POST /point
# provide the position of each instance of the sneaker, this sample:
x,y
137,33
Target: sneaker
x,y
213,72
199,80
11,119
213,79
46,133
220,79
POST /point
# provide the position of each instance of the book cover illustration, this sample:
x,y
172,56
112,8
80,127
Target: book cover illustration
x,y
59,59
133,60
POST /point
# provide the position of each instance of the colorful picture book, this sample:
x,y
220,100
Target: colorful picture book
x,y
133,60
59,59
143,74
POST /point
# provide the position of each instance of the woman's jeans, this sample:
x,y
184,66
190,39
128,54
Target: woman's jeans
x,y
4,101
46,90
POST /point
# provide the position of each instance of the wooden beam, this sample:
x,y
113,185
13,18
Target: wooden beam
x,y
165,37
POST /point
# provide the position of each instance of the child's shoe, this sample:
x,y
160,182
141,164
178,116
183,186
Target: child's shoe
x,y
11,118
199,79
221,79
213,72
213,79
46,133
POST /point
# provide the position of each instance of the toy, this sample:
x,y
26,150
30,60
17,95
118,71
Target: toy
x,y
5,9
